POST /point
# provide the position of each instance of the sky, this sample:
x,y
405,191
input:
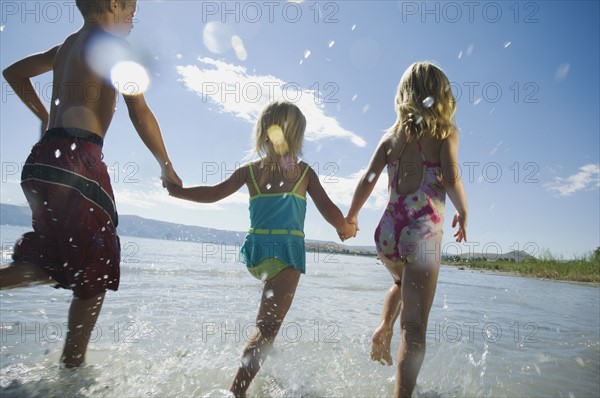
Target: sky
x,y
525,75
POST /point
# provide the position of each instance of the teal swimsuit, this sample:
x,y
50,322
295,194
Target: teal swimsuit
x,y
275,240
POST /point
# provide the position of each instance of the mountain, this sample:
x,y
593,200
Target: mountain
x,y
154,229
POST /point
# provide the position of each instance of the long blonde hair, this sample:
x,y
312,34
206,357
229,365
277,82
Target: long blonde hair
x,y
425,104
279,132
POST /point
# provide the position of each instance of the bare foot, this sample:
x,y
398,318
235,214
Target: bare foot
x,y
380,348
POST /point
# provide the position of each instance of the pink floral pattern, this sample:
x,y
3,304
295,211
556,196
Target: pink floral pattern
x,y
411,219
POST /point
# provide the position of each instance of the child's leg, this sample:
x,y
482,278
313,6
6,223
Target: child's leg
x,y
276,300
83,315
418,290
17,274
382,337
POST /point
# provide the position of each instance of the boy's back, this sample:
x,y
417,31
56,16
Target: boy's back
x,y
81,97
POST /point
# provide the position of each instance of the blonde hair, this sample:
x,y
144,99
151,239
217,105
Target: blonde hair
x,y
425,104
279,131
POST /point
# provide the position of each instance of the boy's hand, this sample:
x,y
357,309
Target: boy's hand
x,y
169,176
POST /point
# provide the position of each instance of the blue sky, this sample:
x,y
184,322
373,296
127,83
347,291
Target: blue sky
x,y
525,75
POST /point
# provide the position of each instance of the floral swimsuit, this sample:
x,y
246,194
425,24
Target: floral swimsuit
x,y
409,220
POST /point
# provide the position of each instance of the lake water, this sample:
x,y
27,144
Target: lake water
x,y
178,323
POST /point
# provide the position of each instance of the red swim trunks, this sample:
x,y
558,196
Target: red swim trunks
x,y
74,215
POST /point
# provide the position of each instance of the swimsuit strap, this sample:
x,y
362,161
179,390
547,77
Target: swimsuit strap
x,y
254,179
300,179
421,151
397,171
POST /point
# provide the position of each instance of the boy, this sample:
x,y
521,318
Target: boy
x,y
74,243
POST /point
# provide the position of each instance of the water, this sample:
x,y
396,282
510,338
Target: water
x,y
178,323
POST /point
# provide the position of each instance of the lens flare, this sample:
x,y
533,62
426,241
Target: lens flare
x,y
130,78
217,37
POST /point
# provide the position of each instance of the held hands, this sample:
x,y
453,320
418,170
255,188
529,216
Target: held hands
x,y
349,230
461,220
169,176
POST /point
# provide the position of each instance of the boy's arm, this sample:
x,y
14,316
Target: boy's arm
x,y
368,181
454,185
147,127
211,194
19,75
330,212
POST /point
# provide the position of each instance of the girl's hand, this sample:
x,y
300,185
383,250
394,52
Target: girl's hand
x,y
461,220
174,190
347,232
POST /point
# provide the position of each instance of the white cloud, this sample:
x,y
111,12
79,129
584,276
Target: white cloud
x,y
587,178
155,195
244,95
341,190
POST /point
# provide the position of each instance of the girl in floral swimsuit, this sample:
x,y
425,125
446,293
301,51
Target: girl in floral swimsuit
x,y
420,151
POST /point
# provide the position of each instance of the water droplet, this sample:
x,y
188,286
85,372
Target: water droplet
x,y
371,177
79,326
57,153
331,43
506,44
389,151
306,54
73,146
365,109
269,294
354,97
428,102
179,56
580,362
91,209
419,120
106,276
301,61
268,186
103,229
65,265
56,102
477,101
70,239
107,262
281,184
460,55
45,203
353,27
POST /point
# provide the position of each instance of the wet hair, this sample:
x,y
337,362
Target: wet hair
x,y
92,7
285,119
425,104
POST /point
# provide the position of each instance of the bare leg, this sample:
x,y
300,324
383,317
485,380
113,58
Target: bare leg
x,y
15,275
83,315
275,303
418,290
382,337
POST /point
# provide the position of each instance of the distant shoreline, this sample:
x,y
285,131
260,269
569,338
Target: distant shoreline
x,y
583,271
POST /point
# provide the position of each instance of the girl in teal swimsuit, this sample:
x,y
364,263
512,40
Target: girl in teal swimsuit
x,y
420,152
274,246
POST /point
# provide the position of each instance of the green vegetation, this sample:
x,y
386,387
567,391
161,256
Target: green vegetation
x,y
584,269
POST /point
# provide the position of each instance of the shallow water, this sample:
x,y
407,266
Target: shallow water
x,y
178,323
